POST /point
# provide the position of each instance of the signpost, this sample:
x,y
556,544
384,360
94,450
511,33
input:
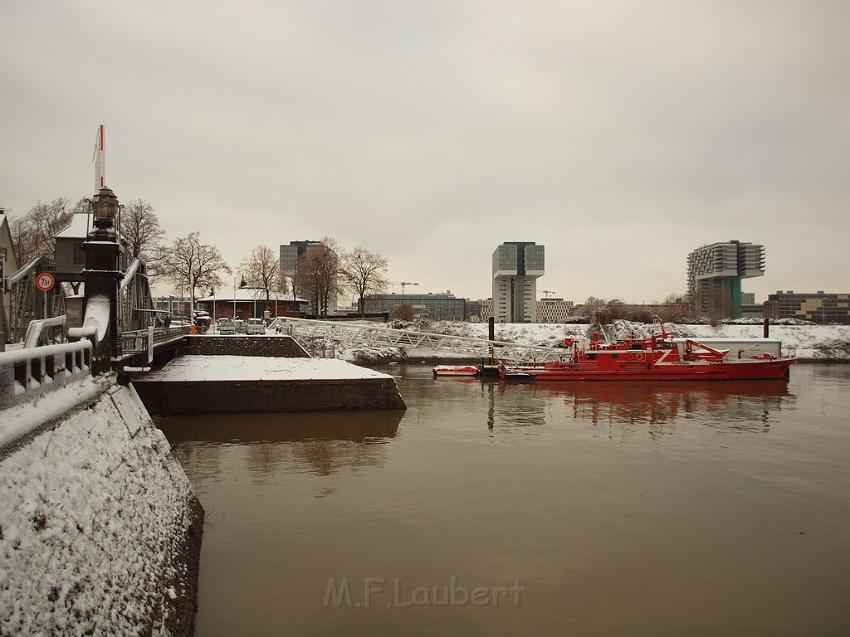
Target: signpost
x,y
45,282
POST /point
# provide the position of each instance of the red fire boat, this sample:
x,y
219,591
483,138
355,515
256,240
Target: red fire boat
x,y
656,357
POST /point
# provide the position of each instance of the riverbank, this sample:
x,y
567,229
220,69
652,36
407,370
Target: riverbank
x,y
100,530
809,343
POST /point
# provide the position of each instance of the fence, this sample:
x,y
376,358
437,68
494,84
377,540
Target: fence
x,y
140,341
27,371
45,331
345,334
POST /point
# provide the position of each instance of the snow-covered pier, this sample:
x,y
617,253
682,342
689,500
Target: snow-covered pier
x,y
239,384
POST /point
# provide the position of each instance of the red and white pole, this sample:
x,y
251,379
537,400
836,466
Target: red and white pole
x,y
100,160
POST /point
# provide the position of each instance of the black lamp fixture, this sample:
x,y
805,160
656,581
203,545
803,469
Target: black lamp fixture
x,y
105,205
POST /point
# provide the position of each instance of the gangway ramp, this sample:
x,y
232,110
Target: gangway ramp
x,y
365,334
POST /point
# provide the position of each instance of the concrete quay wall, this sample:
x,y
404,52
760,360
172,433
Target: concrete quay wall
x,y
99,528
208,397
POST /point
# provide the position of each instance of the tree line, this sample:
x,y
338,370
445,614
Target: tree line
x,y
323,272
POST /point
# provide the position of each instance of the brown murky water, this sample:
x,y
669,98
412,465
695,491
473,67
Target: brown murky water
x,y
587,509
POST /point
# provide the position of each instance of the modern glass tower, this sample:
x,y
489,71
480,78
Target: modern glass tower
x,y
715,272
516,267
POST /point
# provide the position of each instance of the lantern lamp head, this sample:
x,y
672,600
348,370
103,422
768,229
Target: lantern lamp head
x,y
105,205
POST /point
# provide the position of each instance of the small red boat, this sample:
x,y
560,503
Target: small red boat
x,y
455,370
656,357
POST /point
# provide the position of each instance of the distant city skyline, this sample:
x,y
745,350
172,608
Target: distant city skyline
x,y
619,135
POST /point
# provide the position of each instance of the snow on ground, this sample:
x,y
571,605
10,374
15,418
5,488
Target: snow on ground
x,y
19,421
822,342
373,355
807,341
545,334
238,368
92,518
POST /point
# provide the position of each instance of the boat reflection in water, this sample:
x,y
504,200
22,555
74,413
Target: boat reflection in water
x,y
744,405
317,442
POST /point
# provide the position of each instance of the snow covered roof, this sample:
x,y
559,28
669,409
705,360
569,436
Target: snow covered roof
x,y
78,228
250,294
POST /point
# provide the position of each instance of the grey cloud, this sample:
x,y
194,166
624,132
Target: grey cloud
x,y
619,135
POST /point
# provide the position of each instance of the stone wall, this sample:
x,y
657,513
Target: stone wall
x,y
242,345
99,529
207,397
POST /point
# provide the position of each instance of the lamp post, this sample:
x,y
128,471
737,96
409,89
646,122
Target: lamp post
x,y
102,273
191,301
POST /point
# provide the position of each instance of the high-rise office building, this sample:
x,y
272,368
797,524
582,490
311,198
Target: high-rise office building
x,y
715,272
290,256
516,267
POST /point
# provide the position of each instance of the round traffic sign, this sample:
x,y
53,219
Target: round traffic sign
x,y
45,281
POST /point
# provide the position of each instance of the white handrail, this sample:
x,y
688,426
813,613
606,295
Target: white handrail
x,y
348,333
29,371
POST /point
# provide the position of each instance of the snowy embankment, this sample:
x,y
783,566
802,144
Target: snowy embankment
x,y
98,527
808,342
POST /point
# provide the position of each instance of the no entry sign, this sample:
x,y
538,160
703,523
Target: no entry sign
x,y
45,281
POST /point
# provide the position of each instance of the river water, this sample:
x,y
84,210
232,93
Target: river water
x,y
522,509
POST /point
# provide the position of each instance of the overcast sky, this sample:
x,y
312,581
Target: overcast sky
x,y
620,135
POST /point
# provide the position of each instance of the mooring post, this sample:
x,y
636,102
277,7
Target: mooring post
x,y
491,336
766,324
102,275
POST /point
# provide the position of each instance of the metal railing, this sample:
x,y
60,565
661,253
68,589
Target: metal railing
x,y
345,334
51,330
139,341
31,370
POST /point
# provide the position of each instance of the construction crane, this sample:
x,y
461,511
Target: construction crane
x,y
403,284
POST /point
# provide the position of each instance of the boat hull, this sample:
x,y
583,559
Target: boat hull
x,y
455,370
737,370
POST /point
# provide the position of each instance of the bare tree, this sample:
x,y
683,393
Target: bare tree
x,y
140,229
711,304
261,270
21,240
46,220
592,307
318,273
363,272
34,234
193,264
